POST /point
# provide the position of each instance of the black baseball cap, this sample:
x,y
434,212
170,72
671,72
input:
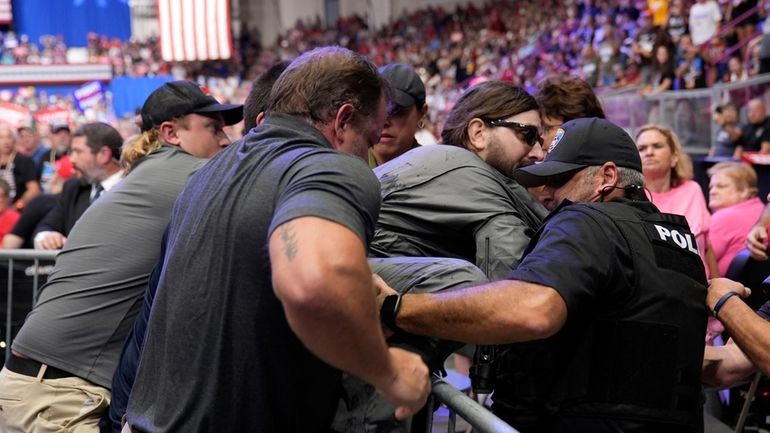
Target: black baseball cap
x,y
407,86
582,143
180,98
57,126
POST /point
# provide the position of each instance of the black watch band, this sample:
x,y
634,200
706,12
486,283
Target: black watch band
x,y
389,310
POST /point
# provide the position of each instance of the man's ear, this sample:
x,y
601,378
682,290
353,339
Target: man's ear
x,y
104,155
342,120
168,133
609,174
477,136
260,118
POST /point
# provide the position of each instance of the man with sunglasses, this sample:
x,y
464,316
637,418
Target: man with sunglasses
x,y
601,325
459,200
452,216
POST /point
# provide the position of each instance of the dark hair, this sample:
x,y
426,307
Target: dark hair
x,y
567,98
683,169
100,134
317,83
256,101
729,104
490,100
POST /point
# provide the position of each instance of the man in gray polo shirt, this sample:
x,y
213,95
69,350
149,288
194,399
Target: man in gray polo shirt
x,y
63,358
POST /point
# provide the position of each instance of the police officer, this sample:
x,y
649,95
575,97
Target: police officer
x,y
608,298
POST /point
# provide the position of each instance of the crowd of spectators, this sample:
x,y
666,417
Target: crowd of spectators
x,y
653,45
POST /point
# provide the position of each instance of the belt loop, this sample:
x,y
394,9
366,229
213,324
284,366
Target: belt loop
x,y
41,373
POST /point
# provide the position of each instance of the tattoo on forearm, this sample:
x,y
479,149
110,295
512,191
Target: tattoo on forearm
x,y
289,241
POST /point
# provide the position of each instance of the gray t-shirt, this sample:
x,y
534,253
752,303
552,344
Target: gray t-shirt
x,y
93,294
219,355
444,201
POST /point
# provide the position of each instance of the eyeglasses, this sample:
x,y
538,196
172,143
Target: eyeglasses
x,y
530,133
395,110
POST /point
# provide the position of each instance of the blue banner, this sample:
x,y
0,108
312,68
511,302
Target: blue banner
x,y
73,19
128,94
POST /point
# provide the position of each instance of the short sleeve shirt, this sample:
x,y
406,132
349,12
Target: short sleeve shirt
x,y
215,317
753,136
577,257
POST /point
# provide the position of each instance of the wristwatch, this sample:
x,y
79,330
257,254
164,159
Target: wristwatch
x,y
389,310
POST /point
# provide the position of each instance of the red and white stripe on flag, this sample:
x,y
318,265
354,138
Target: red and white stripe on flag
x,y
6,13
195,29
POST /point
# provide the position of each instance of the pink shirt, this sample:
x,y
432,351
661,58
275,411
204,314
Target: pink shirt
x,y
687,199
729,228
8,219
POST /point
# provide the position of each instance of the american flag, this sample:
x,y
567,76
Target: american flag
x,y
194,29
6,14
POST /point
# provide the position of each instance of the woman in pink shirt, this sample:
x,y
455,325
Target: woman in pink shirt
x,y
668,175
733,198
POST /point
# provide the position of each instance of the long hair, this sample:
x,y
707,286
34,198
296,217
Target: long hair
x,y
139,146
489,100
682,171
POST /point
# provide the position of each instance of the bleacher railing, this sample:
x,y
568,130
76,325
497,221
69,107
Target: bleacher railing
x,y
25,255
687,112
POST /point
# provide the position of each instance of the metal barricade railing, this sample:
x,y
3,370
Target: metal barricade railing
x,y
478,416
27,255
687,112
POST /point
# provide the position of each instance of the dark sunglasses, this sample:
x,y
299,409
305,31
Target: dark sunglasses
x,y
530,133
395,110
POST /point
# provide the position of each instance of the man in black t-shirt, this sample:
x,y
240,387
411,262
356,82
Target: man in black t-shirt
x,y
606,305
755,136
265,293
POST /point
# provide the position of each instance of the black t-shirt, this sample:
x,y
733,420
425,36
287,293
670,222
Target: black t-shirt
x,y
596,269
219,354
23,172
582,245
752,135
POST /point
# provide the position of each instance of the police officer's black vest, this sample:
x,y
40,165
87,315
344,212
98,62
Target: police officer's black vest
x,y
634,357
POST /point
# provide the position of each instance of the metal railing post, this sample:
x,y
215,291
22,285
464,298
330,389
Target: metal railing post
x,y
8,321
35,282
26,255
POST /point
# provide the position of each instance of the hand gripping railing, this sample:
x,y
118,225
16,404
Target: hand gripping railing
x,y
478,416
35,256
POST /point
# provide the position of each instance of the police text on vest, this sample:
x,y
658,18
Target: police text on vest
x,y
684,241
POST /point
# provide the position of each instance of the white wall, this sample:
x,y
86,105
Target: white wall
x,y
292,10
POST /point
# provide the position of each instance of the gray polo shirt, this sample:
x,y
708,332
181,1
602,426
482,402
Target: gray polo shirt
x,y
89,303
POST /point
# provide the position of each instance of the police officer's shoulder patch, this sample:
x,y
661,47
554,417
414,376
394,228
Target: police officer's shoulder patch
x,y
675,237
674,244
556,139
